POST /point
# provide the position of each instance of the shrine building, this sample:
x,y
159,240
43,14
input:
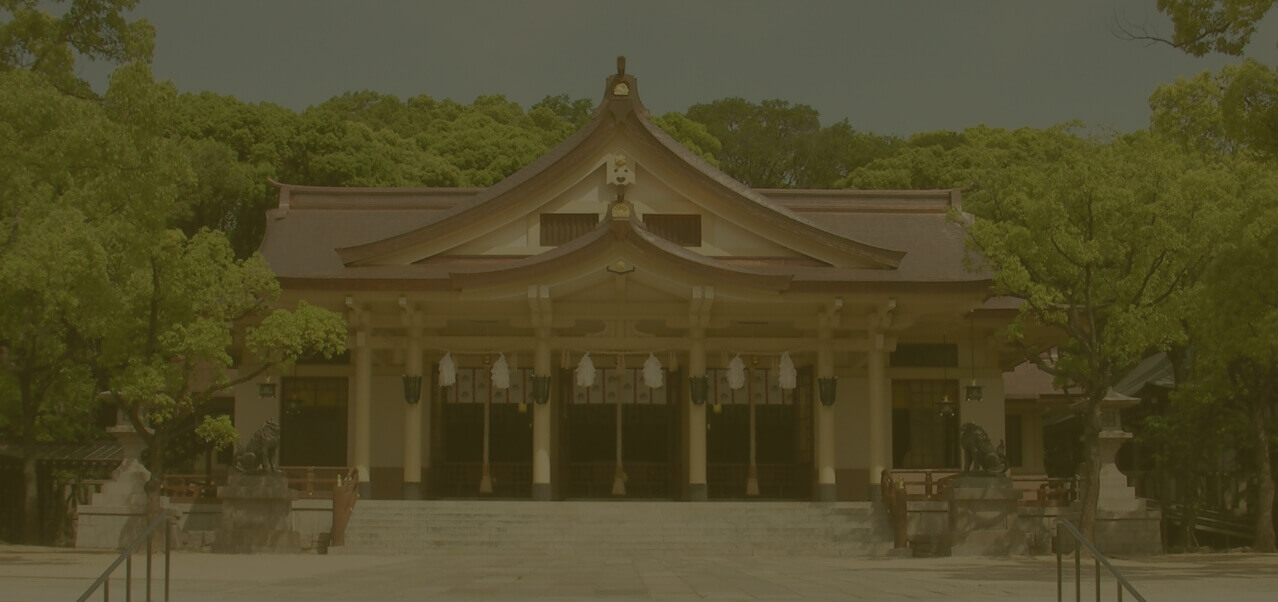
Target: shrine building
x,y
620,319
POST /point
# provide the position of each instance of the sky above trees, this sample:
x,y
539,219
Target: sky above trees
x,y
889,68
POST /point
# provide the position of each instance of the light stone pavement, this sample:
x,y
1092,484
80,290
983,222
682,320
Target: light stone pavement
x,y
34,574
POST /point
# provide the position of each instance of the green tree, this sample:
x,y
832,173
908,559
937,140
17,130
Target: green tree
x,y
1234,110
34,39
692,135
1203,26
235,149
573,112
170,347
1102,241
78,191
1235,328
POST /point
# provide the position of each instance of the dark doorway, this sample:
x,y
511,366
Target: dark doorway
x,y
313,422
649,435
461,442
782,437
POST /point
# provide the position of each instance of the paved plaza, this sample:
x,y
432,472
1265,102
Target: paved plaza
x,y
34,574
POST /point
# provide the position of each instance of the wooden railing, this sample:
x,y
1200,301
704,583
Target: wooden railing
x,y
345,492
933,485
894,498
190,487
310,482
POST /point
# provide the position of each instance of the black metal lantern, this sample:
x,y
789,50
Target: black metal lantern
x,y
699,387
826,387
412,388
541,389
972,392
945,407
266,389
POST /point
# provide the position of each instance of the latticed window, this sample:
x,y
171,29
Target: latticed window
x,y
921,437
562,228
683,230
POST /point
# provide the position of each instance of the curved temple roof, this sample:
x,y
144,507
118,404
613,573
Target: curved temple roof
x,y
322,236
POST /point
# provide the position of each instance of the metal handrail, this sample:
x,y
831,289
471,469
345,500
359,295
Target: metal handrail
x,y
126,557
1100,559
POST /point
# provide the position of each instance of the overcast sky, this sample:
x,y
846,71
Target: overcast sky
x,y
895,67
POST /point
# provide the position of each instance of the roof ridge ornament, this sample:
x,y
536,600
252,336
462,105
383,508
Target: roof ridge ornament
x,y
620,88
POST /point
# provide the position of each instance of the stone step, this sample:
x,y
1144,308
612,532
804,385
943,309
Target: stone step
x,y
733,528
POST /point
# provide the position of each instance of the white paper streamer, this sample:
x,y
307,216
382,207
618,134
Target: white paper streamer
x,y
652,372
501,373
787,376
585,372
736,373
447,371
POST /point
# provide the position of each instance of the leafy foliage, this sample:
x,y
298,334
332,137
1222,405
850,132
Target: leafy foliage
x,y
1203,26
774,144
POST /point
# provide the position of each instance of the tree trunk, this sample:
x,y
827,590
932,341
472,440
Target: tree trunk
x,y
30,500
1265,480
1090,479
30,477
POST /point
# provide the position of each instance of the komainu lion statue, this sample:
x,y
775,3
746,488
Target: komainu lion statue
x,y
258,455
979,455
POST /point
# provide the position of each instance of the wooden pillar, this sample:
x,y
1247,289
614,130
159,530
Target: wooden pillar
x,y
363,408
542,415
413,417
880,415
827,490
697,490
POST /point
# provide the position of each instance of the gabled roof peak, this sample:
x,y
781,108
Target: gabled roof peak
x,y
621,94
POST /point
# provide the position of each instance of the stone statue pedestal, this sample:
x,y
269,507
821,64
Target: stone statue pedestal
x,y
117,514
983,516
257,515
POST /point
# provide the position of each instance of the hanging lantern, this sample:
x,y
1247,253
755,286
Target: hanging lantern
x,y
699,387
945,407
826,389
447,371
540,389
585,372
736,373
787,376
652,376
501,373
972,392
412,388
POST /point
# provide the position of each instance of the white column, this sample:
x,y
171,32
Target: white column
x,y
880,416
826,488
697,490
363,410
413,420
542,416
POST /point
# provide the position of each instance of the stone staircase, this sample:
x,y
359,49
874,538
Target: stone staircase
x,y
718,528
